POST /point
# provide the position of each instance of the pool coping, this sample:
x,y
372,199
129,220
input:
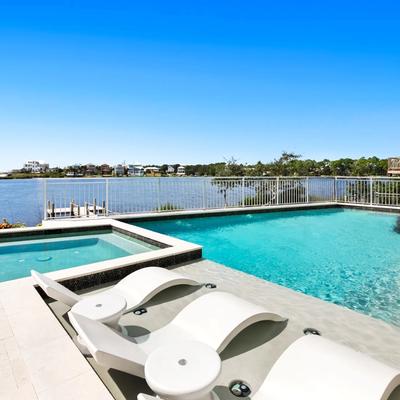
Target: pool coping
x,y
219,212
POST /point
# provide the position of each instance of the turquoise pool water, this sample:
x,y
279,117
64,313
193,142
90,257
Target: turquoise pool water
x,y
351,258
45,255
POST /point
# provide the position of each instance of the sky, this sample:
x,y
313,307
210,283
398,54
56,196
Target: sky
x,y
196,82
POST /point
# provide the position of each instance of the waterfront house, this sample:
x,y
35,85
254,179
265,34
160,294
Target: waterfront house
x,y
135,170
36,167
152,171
105,169
180,171
394,166
91,169
170,170
119,170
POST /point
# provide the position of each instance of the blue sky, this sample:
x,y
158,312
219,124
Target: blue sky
x,y
194,82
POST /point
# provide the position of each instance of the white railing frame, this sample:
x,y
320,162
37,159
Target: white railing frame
x,y
199,193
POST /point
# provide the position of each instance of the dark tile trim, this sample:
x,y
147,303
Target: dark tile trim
x,y
116,274
245,210
6,236
387,209
140,237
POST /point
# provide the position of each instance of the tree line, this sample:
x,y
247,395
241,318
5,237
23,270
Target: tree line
x,y
291,164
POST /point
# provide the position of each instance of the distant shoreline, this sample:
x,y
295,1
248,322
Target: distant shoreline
x,y
10,178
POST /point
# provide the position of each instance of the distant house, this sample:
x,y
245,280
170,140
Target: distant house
x,y
119,170
55,169
105,169
91,169
135,170
394,166
170,170
180,171
153,171
36,167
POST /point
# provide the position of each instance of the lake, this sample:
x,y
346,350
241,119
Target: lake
x,y
21,200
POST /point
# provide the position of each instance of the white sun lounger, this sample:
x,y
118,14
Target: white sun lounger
x,y
314,368
214,318
137,288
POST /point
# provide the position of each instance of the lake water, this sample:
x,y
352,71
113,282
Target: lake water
x,y
21,200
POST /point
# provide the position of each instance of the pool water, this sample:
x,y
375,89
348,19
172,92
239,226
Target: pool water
x,y
347,257
45,255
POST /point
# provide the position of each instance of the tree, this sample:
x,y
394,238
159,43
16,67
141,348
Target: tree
x,y
230,168
281,166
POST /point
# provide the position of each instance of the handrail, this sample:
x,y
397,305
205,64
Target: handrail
x,y
159,194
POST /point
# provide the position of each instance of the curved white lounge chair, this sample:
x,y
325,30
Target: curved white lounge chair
x,y
314,368
214,318
137,288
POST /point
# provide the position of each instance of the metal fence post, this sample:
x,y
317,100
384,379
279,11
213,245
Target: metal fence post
x,y
204,195
45,199
371,194
243,198
308,189
277,190
335,192
159,194
107,197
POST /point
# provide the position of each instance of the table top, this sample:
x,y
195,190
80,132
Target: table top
x,y
182,369
101,306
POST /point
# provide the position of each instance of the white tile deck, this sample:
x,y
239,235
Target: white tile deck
x,y
38,360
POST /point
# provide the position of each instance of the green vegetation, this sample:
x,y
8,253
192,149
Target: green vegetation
x,y
291,164
288,164
6,225
168,207
227,169
28,175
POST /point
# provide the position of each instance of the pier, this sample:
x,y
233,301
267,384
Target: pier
x,y
76,210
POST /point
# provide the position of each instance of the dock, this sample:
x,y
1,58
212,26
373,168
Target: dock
x,y
76,210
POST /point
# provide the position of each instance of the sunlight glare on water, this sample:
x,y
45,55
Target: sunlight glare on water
x,y
347,257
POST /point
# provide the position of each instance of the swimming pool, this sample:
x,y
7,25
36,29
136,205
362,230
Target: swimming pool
x,y
348,257
65,251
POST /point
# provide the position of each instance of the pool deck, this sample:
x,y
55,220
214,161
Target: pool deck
x,y
37,358
40,361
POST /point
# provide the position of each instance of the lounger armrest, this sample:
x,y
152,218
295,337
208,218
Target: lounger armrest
x,y
55,290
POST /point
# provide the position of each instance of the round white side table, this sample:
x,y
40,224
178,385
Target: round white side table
x,y
184,370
